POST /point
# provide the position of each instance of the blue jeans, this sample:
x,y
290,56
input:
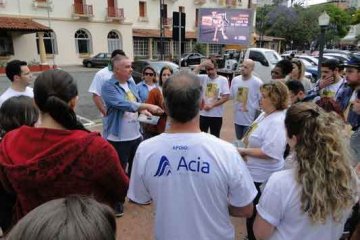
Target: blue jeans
x,y
240,131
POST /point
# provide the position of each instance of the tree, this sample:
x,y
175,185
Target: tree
x,y
300,25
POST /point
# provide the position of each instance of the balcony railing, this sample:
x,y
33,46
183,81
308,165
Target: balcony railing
x,y
82,9
115,13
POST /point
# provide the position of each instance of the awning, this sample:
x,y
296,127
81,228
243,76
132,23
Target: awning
x,y
22,25
155,33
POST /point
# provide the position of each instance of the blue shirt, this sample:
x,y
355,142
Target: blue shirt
x,y
343,98
143,91
116,103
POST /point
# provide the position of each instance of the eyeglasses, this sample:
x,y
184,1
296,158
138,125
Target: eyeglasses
x,y
148,74
209,69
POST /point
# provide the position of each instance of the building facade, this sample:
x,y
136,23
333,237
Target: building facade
x,y
71,30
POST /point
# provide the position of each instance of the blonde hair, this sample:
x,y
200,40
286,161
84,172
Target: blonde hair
x,y
300,66
323,168
278,94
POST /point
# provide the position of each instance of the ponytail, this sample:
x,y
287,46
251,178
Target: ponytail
x,y
53,90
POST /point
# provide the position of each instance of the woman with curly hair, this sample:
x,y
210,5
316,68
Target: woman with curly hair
x,y
312,200
265,140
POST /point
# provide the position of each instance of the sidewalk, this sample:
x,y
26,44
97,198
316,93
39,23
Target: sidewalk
x,y
138,221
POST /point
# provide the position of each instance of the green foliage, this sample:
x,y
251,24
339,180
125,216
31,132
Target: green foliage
x,y
355,17
300,25
200,48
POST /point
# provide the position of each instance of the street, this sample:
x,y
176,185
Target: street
x,y
83,76
135,215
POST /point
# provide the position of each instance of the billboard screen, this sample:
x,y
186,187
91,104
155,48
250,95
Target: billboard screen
x,y
225,26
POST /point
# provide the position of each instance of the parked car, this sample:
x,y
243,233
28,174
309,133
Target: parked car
x,y
338,56
313,60
139,65
311,70
99,60
188,59
231,53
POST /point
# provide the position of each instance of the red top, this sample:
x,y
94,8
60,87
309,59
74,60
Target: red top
x,y
41,164
155,97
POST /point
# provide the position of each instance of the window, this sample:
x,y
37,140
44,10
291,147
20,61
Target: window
x,y
156,47
258,57
182,9
83,41
49,41
142,9
214,49
141,47
188,46
6,44
114,41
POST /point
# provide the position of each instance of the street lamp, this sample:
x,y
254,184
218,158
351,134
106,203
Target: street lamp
x,y
324,20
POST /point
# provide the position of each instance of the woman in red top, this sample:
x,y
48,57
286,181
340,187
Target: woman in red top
x,y
59,157
155,97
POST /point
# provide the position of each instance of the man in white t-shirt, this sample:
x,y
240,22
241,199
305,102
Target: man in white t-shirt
x,y
330,82
245,91
20,76
195,180
123,103
215,93
100,77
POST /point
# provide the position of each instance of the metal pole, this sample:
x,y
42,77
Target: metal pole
x,y
321,49
161,30
180,39
51,35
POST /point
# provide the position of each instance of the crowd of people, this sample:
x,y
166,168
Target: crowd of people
x,y
293,170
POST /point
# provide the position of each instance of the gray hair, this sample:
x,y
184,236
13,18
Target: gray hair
x,y
73,217
182,96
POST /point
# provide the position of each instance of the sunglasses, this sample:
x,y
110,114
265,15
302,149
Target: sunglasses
x,y
148,74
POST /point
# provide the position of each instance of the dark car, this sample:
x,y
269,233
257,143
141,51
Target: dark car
x,y
99,60
139,65
188,59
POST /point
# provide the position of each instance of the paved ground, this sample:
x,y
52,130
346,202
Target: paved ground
x,y
138,221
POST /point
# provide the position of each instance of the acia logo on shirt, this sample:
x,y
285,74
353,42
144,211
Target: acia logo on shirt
x,y
164,167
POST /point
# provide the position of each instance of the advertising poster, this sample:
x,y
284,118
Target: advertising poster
x,y
225,26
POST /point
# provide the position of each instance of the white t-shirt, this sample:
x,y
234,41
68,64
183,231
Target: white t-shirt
x,y
13,93
269,134
130,127
213,89
307,84
246,95
280,206
191,178
331,90
100,77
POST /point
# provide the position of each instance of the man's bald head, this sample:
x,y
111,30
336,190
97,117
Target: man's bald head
x,y
250,63
182,96
247,67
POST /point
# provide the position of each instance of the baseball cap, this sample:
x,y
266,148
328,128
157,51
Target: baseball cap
x,y
352,63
